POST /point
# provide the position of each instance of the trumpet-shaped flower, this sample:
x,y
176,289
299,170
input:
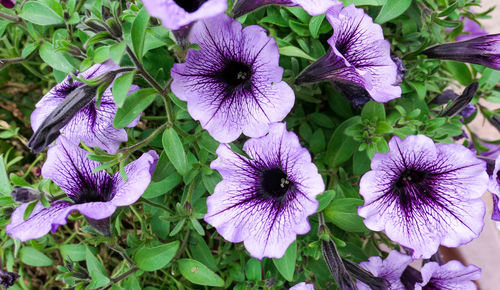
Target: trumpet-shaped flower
x,y
95,195
390,268
424,194
358,55
452,275
233,83
264,201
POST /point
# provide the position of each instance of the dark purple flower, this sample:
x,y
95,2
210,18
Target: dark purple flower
x,y
95,195
233,83
8,3
391,268
302,286
471,29
452,275
359,55
264,201
313,7
494,188
175,14
91,125
424,194
483,50
7,279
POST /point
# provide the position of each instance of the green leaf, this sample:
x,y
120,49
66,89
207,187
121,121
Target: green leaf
x,y
73,252
138,32
460,72
343,213
253,270
5,187
156,189
134,104
341,147
286,265
201,252
324,199
152,259
121,87
392,9
315,25
295,51
96,270
373,111
198,273
175,150
29,49
39,13
54,58
34,257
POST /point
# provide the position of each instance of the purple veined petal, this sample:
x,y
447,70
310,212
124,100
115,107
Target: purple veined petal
x,y
91,125
42,220
302,286
8,3
390,268
424,194
139,174
175,14
452,275
239,89
313,7
483,50
359,55
264,201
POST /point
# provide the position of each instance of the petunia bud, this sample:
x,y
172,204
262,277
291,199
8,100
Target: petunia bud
x,y
102,226
483,50
8,3
336,265
375,283
410,277
24,194
461,102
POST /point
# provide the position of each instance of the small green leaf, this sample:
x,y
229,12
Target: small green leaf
x,y
315,25
392,9
121,87
295,51
34,257
5,187
324,199
341,147
73,252
460,72
175,150
39,13
54,58
96,270
198,273
152,259
134,104
286,265
29,48
253,270
373,111
343,213
138,32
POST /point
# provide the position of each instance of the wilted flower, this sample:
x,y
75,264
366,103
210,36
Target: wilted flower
x,y
91,125
313,7
175,14
233,83
452,275
24,194
8,3
359,55
483,50
391,268
425,194
7,279
95,195
264,201
302,286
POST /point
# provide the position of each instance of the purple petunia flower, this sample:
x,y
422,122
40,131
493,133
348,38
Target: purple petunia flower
x,y
425,194
233,83
302,286
494,188
359,55
175,14
483,50
8,3
265,201
313,7
91,125
471,29
95,195
391,269
452,275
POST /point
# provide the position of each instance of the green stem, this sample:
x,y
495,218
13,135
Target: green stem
x,y
121,277
38,158
10,17
144,142
148,202
183,245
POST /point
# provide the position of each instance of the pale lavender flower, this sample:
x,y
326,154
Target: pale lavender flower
x,y
483,50
313,7
424,194
471,29
264,201
95,195
91,125
391,268
233,83
175,14
452,275
358,55
8,3
302,286
494,188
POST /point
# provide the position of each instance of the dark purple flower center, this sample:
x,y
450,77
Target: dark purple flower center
x,y
235,74
275,183
190,5
412,188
